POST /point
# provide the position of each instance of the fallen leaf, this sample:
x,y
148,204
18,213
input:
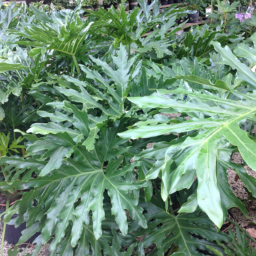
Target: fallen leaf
x,y
252,232
237,177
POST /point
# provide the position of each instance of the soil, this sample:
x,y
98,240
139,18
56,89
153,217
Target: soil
x,y
238,189
43,252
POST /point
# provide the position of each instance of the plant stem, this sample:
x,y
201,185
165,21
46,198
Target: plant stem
x,y
129,49
211,9
225,22
231,221
13,128
76,64
4,228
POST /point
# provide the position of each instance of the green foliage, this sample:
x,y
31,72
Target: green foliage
x,y
190,231
224,18
90,2
130,28
200,151
6,147
204,149
226,7
89,95
197,42
193,5
239,245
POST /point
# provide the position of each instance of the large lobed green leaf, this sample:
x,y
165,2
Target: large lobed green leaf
x,y
190,232
198,154
77,188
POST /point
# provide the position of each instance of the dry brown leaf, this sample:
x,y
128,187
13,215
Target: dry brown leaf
x,y
252,232
237,177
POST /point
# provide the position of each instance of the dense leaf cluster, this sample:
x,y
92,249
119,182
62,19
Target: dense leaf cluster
x,y
89,96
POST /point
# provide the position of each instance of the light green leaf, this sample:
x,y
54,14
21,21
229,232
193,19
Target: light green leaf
x,y
155,130
216,252
198,80
90,141
157,101
2,114
55,117
75,190
228,199
230,59
8,67
240,139
199,152
14,252
80,118
34,52
244,51
208,195
122,74
51,128
190,206
54,147
85,98
70,44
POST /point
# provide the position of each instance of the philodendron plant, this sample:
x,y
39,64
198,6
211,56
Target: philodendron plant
x,y
91,184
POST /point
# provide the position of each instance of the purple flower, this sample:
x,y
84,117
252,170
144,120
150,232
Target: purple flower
x,y
248,15
243,16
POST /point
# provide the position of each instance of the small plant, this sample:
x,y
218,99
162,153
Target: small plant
x,y
239,244
61,4
193,4
203,5
7,148
90,2
182,17
226,13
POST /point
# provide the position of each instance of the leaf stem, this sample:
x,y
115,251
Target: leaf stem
x,y
225,22
13,128
234,223
76,64
4,229
21,97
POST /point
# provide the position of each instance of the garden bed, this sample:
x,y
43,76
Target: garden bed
x,y
237,187
94,157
